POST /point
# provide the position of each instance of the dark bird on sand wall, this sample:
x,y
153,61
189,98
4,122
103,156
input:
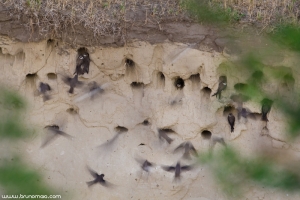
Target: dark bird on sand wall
x,y
265,109
97,179
178,169
162,134
145,164
72,82
44,88
231,120
52,132
188,149
222,86
82,62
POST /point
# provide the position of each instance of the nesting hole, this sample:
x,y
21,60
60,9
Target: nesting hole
x,y
206,134
206,91
31,76
82,50
72,111
160,80
121,129
142,144
129,62
228,109
52,76
137,84
146,122
179,83
50,42
195,78
30,79
168,130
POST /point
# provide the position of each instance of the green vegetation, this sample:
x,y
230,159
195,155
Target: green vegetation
x,y
15,176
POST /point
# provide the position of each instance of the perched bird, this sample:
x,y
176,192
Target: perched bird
x,y
145,164
178,169
82,62
52,132
44,88
265,109
98,179
222,86
162,134
231,120
72,82
188,147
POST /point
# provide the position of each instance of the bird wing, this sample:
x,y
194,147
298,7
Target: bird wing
x,y
168,168
179,147
49,137
92,172
192,148
64,134
186,167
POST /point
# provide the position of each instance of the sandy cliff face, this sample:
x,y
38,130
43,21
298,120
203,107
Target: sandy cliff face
x,y
91,122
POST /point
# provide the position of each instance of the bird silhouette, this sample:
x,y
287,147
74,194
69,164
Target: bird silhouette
x,y
82,62
188,149
231,120
44,88
162,134
222,86
52,132
145,164
215,140
72,82
178,169
97,179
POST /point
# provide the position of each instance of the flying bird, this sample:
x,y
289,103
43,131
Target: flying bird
x,y
188,149
178,169
162,134
216,140
72,82
109,143
82,62
265,109
93,90
52,132
44,88
97,179
231,120
245,112
145,164
222,86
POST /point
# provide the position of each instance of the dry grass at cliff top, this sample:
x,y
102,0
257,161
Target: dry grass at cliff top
x,y
104,17
263,11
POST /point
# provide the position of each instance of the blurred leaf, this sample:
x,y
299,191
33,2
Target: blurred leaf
x,y
11,100
17,178
203,11
12,128
287,35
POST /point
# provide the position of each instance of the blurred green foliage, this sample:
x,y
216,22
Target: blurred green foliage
x,y
257,78
15,176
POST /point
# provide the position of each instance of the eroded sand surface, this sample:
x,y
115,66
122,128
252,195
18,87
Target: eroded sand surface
x,y
93,122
